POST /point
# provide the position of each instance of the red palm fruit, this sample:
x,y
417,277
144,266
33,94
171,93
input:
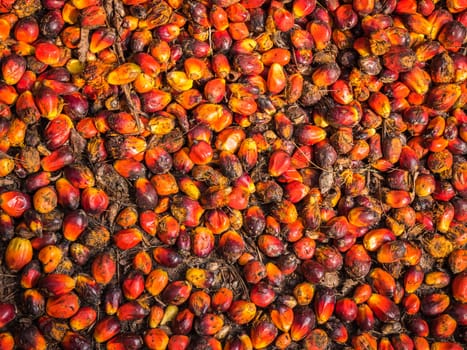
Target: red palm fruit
x,y
187,211
14,203
411,303
303,323
364,341
450,92
231,245
242,312
168,230
445,217
31,274
440,161
363,217
18,253
106,328
7,341
155,100
146,194
217,221
199,278
254,271
363,7
26,108
341,92
156,339
48,102
209,324
177,292
362,293
156,314
282,317
127,217
156,281
357,261
343,116
445,346
131,311
321,33
112,300
31,338
313,271
277,79
68,195
103,268
263,334
304,248
148,221
285,212
57,284
382,282
283,341
125,341
176,342
303,293
437,279
384,309
317,339
63,306
379,103
94,201
346,309
459,177
57,131
459,290
202,242
326,75
142,262
127,238
248,153
413,279
222,300
457,262
419,327
270,245
133,285
101,39
303,8
276,55
199,303
167,257
420,343
329,257
337,331
434,304
391,252
308,134
79,253
324,303
7,314
45,200
402,341
123,123
13,68
294,88
83,319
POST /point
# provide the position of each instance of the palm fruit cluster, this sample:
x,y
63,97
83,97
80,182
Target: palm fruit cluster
x,y
233,174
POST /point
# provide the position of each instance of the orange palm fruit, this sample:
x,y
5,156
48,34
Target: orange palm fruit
x,y
18,253
63,306
83,319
